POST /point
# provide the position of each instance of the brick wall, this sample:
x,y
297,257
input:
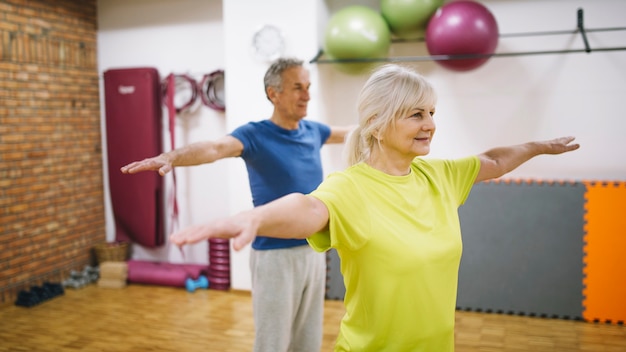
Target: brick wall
x,y
51,191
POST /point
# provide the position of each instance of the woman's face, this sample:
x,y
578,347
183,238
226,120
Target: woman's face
x,y
410,135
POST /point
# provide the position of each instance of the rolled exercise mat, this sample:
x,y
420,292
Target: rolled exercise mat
x,y
162,273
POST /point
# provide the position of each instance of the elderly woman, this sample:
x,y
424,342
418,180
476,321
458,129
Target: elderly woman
x,y
392,216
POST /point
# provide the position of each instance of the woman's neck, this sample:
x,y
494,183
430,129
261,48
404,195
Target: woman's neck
x,y
393,166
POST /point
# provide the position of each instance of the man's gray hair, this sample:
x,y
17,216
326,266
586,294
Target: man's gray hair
x,y
273,75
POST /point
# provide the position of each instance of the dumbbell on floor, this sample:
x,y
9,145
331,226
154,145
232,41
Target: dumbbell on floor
x,y
192,285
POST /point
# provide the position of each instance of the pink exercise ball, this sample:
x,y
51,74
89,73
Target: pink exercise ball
x,y
462,28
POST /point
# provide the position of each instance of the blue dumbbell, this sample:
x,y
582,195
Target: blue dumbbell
x,y
201,282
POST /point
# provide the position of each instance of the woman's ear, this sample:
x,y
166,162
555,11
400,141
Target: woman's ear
x,y
375,132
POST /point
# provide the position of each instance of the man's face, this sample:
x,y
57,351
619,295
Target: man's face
x,y
293,100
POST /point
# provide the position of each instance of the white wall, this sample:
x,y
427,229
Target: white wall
x,y
181,37
508,100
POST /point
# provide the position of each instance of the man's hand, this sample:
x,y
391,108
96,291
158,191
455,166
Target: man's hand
x,y
160,163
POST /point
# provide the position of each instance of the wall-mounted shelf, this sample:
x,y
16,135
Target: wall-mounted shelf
x,y
580,28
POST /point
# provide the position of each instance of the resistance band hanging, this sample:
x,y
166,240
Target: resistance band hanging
x,y
186,91
183,93
212,90
172,111
180,92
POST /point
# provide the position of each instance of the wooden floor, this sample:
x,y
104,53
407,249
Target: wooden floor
x,y
155,318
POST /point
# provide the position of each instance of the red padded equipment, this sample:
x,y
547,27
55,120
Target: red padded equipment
x,y
133,132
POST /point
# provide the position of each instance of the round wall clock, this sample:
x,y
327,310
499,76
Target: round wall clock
x,y
268,43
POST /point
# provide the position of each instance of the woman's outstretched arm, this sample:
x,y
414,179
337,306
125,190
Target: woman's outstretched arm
x,y
293,216
498,161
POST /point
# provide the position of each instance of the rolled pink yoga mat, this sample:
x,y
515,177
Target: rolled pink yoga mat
x,y
164,274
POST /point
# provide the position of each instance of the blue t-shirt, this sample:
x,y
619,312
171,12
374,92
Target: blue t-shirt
x,y
279,162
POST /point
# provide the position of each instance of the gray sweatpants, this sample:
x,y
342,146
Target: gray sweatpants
x,y
288,287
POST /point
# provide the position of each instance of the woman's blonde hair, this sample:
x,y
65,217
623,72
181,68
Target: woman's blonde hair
x,y
391,92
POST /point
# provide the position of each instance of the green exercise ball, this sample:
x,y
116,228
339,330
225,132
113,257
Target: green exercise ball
x,y
357,32
407,19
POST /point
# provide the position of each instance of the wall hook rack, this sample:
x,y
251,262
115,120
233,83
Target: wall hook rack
x,y
580,28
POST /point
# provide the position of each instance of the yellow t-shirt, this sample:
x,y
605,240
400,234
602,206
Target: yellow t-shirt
x,y
399,240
